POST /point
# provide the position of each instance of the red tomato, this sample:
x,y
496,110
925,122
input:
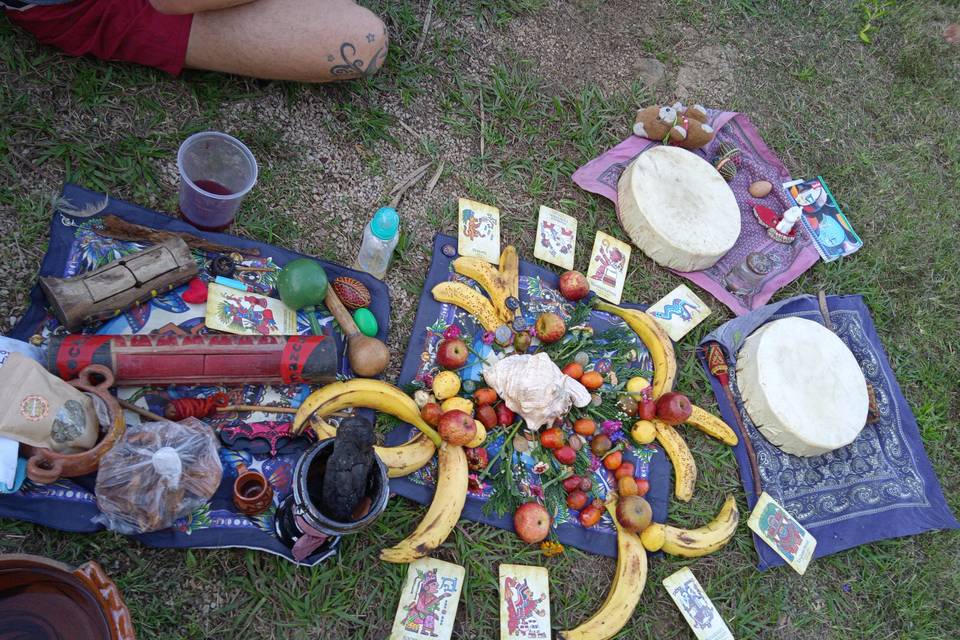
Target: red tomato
x,y
574,370
613,461
625,469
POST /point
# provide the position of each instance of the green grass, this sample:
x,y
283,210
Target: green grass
x,y
877,120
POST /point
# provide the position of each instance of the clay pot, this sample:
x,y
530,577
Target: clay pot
x,y
43,599
46,466
252,494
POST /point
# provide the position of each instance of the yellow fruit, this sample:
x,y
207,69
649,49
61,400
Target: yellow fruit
x,y
653,537
446,385
470,300
457,403
684,466
712,426
693,543
636,385
480,437
657,341
643,432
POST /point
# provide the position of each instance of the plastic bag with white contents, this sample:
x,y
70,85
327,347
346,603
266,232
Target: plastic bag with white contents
x,y
158,472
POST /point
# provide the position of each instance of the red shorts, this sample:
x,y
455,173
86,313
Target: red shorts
x,y
125,30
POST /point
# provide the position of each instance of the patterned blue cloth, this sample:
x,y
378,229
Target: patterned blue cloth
x,y
538,292
880,486
70,504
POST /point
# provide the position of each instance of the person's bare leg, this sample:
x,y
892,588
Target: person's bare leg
x,y
304,40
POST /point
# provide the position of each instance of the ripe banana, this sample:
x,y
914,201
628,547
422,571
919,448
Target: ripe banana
x,y
684,467
657,341
362,392
712,426
510,270
470,300
444,511
496,284
400,460
693,543
624,594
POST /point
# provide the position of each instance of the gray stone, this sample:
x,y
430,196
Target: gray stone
x,y
650,71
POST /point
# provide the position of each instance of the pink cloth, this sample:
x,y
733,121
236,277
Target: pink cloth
x,y
781,263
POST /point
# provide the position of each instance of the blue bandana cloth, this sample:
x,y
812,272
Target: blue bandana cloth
x,y
880,486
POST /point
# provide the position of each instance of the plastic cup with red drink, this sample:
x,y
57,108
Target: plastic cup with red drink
x,y
216,172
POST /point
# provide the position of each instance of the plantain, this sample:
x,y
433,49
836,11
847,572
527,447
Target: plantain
x,y
693,543
400,460
684,466
440,519
657,341
628,582
491,280
470,300
362,392
712,426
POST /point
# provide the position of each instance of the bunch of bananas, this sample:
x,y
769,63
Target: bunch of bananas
x,y
501,284
451,491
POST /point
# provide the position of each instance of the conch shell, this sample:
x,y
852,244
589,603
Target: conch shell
x,y
535,388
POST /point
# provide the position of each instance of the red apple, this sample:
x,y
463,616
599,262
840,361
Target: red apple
x,y
574,286
431,413
452,353
674,408
550,327
504,415
565,454
647,410
532,522
456,427
487,415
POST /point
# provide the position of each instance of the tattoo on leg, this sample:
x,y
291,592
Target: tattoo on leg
x,y
353,66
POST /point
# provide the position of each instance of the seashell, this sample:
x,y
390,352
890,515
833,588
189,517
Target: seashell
x,y
352,293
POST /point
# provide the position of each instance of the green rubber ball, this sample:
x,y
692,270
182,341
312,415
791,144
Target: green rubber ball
x,y
366,321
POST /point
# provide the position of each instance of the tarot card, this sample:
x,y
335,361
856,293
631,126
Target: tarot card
x,y
524,602
608,267
250,314
428,602
782,532
826,224
679,312
479,231
696,607
556,237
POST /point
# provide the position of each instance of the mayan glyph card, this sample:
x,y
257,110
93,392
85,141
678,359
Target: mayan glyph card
x,y
696,607
556,238
608,267
479,231
248,314
524,602
679,312
428,602
782,533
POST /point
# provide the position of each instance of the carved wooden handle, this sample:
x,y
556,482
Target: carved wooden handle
x,y
107,594
340,312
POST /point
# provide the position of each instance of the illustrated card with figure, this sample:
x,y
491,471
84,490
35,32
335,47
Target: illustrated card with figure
x,y
679,312
479,231
782,532
248,314
524,602
556,237
696,607
608,267
428,601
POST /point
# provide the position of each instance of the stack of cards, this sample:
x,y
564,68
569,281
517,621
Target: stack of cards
x,y
479,231
428,602
782,532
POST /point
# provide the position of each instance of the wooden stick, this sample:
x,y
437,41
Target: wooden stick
x,y
256,407
120,229
140,411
